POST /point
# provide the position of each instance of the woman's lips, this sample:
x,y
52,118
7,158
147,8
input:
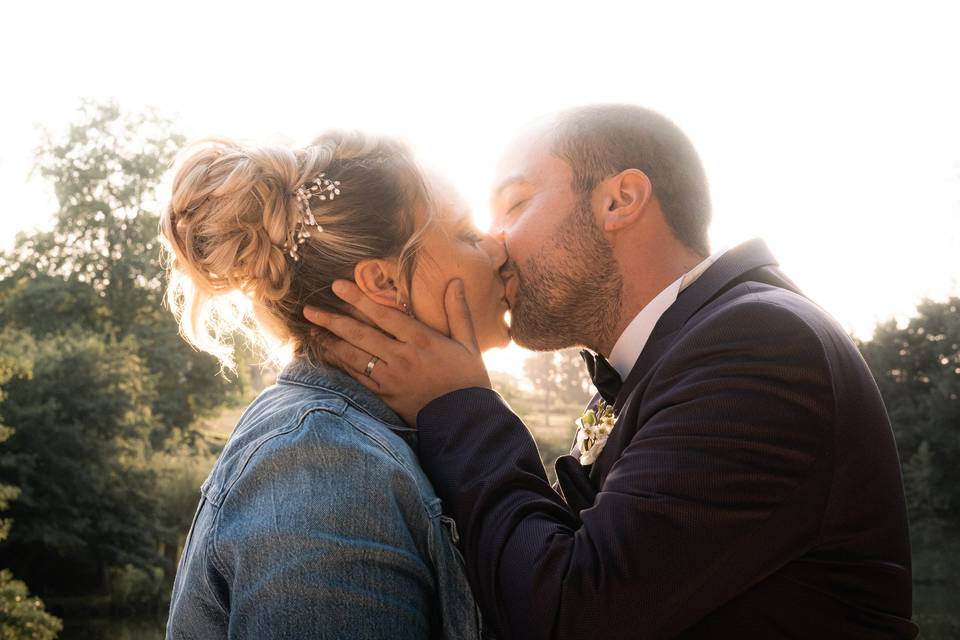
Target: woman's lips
x,y
510,289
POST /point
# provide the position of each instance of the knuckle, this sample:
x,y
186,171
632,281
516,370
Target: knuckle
x,y
336,325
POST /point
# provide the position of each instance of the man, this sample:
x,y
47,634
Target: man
x,y
750,486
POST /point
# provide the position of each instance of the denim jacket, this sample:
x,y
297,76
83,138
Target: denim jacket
x,y
317,522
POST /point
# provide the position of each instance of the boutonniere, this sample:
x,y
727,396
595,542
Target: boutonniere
x,y
594,427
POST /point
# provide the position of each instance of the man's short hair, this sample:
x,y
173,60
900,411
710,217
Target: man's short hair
x,y
602,140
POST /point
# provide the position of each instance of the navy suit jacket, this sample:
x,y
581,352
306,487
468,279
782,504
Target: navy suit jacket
x,y
750,488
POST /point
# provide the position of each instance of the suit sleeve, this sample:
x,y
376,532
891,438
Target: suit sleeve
x,y
722,484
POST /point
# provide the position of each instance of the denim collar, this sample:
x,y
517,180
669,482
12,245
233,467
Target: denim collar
x,y
328,378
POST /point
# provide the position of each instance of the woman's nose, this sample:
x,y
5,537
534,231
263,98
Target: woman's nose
x,y
496,248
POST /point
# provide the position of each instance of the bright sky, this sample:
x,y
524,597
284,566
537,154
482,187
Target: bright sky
x,y
830,129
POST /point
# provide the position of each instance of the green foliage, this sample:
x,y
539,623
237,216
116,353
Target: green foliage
x,y
99,392
135,589
47,305
84,413
22,616
105,172
558,376
99,267
16,355
917,368
16,359
84,416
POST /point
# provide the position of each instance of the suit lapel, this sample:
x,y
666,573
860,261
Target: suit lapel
x,y
727,271
750,261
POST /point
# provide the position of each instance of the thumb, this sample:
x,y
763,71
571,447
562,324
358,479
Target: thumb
x,y
458,316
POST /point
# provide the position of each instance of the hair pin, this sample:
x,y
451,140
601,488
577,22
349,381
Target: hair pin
x,y
322,188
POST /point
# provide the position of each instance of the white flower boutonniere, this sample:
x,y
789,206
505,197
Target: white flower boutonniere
x,y
594,428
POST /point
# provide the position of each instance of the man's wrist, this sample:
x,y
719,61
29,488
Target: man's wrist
x,y
460,401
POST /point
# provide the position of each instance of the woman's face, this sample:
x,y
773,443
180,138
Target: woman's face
x,y
454,248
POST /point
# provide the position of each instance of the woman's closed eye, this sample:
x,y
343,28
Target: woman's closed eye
x,y
472,236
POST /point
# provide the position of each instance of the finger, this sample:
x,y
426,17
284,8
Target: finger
x,y
358,334
366,381
335,353
459,318
345,355
390,320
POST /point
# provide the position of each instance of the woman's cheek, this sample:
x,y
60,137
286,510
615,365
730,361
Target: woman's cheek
x,y
428,304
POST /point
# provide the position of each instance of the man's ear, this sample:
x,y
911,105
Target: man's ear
x,y
377,279
625,197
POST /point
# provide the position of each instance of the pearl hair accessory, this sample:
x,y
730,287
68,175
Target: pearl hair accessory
x,y
321,188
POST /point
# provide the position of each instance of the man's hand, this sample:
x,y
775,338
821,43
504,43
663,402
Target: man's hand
x,y
414,366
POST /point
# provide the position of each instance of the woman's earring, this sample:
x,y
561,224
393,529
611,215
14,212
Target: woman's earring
x,y
406,309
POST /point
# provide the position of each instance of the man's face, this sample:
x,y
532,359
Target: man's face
x,y
562,281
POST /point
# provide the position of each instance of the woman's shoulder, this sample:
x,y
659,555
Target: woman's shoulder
x,y
322,445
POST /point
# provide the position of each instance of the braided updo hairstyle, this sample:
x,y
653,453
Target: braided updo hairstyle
x,y
233,215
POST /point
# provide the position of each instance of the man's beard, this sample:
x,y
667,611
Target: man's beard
x,y
570,292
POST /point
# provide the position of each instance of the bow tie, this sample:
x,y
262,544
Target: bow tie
x,y
605,377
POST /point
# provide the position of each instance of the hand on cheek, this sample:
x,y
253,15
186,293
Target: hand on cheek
x,y
418,366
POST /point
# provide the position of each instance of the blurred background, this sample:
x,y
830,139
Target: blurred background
x,y
829,129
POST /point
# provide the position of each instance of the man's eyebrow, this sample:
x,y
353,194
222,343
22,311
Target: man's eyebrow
x,y
514,179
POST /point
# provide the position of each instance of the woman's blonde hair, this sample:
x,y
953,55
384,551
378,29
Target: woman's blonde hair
x,y
233,215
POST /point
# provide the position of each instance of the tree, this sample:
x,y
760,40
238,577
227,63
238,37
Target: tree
x,y
21,615
77,454
542,373
99,267
573,379
48,305
558,376
917,368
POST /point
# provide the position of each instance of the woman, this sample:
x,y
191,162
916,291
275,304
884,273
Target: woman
x,y
317,520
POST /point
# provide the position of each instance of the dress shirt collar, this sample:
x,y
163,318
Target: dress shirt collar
x,y
631,342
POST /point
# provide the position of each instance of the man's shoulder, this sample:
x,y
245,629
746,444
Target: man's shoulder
x,y
768,328
763,310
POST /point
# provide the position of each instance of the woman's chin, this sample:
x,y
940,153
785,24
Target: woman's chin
x,y
496,338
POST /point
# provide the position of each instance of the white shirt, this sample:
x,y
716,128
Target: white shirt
x,y
631,342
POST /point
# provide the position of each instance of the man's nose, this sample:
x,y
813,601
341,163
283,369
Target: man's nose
x,y
498,227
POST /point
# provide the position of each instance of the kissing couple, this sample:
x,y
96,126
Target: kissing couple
x,y
735,476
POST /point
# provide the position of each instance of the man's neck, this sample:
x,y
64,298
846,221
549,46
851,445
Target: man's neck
x,y
643,280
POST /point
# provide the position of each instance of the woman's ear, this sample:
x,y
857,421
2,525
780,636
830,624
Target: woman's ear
x,y
626,197
378,280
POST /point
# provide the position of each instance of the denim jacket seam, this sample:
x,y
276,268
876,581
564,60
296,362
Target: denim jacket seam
x,y
211,551
215,525
393,454
222,491
349,400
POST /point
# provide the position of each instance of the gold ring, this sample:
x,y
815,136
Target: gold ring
x,y
373,360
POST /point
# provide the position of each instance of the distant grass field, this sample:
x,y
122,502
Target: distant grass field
x,y
223,423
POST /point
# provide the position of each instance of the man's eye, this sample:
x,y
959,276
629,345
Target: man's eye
x,y
513,209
